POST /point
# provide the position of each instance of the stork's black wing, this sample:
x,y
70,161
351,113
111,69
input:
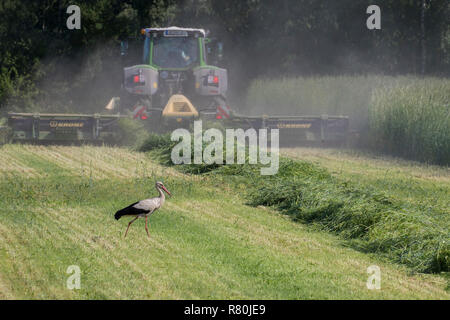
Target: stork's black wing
x,y
131,210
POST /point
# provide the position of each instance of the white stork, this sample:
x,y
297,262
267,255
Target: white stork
x,y
144,208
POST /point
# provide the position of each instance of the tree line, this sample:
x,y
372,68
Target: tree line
x,y
46,66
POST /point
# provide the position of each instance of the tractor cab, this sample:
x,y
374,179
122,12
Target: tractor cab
x,y
174,48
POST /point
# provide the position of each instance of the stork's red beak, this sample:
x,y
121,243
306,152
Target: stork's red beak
x,y
167,191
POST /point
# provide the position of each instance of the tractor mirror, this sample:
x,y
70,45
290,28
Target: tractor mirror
x,y
214,50
123,48
219,51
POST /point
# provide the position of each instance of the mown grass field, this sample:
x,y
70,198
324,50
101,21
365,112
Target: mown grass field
x,y
414,182
57,205
423,186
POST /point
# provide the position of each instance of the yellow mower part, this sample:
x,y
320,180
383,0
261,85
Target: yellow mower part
x,y
179,106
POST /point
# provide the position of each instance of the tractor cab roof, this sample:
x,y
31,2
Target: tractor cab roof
x,y
174,32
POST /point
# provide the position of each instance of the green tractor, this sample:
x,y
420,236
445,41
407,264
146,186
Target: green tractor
x,y
175,84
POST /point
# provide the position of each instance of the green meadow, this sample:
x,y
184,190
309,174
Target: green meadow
x,y
207,242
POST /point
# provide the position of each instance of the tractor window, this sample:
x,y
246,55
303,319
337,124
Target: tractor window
x,y
175,52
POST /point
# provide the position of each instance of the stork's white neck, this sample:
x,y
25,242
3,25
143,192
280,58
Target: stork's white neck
x,y
161,194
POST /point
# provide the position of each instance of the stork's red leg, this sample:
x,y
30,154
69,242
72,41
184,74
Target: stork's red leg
x,y
146,229
129,224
